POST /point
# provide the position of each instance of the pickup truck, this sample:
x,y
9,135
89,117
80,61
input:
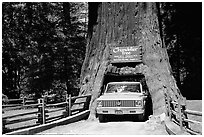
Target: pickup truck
x,y
122,98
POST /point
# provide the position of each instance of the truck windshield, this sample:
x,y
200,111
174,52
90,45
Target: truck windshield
x,y
123,88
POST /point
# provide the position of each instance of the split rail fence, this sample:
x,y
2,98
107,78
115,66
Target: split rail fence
x,y
178,113
41,112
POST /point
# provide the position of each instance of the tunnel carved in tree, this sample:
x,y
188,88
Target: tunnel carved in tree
x,y
125,25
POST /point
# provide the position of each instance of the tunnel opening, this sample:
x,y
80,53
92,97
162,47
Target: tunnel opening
x,y
138,77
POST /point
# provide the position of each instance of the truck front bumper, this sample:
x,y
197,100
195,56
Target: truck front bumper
x,y
119,110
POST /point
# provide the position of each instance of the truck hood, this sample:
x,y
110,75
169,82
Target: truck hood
x,y
121,96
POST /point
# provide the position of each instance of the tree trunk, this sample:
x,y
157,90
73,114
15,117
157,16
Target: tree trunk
x,y
66,26
122,25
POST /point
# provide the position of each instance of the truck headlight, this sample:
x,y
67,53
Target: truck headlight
x,y
138,103
99,103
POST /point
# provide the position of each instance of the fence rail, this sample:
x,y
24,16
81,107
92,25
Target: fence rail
x,y
177,112
43,115
22,114
197,113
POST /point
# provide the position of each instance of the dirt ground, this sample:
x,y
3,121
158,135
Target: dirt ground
x,y
109,128
119,125
195,105
119,128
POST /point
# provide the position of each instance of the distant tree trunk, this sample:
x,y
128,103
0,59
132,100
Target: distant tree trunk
x,y
178,66
67,23
127,24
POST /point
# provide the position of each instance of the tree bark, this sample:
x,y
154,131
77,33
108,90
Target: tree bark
x,y
66,23
127,24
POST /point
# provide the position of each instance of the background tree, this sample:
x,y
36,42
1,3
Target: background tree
x,y
42,47
183,38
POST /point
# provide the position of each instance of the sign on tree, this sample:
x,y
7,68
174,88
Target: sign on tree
x,y
125,54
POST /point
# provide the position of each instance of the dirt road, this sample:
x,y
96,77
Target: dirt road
x,y
109,128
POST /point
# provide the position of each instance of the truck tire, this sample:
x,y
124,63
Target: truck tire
x,y
101,118
141,117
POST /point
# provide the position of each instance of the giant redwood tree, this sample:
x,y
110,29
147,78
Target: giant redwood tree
x,y
115,25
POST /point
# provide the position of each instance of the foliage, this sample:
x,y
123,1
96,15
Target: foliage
x,y
182,23
39,47
43,46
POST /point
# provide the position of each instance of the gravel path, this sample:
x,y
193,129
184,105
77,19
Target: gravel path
x,y
109,128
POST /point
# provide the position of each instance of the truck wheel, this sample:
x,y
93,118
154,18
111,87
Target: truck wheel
x,y
141,117
101,118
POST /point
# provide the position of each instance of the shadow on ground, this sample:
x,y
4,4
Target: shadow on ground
x,y
123,118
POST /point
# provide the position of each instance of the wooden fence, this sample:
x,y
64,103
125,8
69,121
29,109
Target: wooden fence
x,y
71,106
18,103
178,114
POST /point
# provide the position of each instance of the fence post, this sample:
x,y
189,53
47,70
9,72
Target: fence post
x,y
41,110
24,101
65,96
45,99
67,106
86,106
180,114
3,125
184,113
169,106
70,101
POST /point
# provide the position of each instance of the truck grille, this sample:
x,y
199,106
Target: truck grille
x,y
118,103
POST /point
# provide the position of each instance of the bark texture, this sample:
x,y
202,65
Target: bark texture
x,y
127,24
